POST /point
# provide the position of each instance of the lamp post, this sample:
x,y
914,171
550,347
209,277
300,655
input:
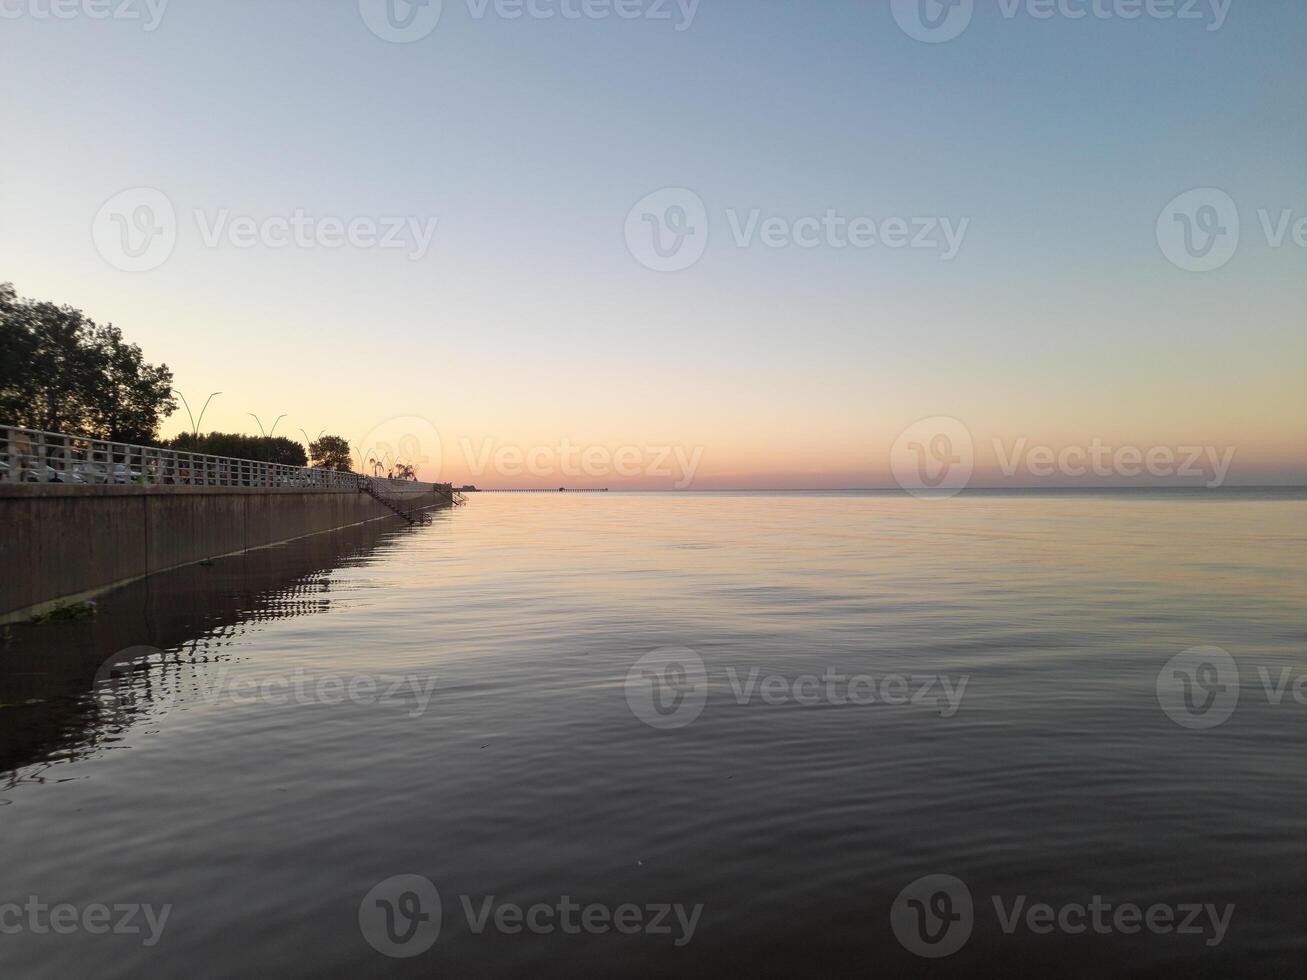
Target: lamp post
x,y
195,425
266,435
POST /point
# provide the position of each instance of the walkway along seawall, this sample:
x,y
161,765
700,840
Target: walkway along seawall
x,y
62,542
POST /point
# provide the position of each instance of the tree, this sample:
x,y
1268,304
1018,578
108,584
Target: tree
x,y
131,391
404,471
62,372
331,453
265,449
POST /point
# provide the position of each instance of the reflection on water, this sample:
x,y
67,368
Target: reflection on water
x,y
173,627
490,742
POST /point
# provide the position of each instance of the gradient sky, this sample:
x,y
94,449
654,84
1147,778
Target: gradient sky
x,y
529,323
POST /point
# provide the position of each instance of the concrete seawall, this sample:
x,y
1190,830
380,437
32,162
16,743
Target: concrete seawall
x,y
61,543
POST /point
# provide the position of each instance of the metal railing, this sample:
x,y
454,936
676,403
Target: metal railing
x,y
32,456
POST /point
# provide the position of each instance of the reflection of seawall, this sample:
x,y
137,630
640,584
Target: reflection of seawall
x,y
63,542
47,673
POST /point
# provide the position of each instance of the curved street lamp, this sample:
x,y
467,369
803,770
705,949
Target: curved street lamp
x,y
266,435
195,426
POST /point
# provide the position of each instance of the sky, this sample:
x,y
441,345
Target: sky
x,y
662,244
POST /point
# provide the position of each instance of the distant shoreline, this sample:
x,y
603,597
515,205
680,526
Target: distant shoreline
x,y
970,491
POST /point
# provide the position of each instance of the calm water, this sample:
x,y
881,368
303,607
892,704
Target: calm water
x,y
235,778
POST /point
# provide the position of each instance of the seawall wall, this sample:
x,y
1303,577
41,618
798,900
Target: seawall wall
x,y
62,543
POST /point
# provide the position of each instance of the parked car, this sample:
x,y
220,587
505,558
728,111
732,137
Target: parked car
x,y
119,473
41,473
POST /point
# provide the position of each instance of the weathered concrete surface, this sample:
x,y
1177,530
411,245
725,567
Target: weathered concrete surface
x,y
61,543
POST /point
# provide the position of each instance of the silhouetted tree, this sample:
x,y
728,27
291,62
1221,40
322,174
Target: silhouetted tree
x,y
331,453
130,392
265,449
62,372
